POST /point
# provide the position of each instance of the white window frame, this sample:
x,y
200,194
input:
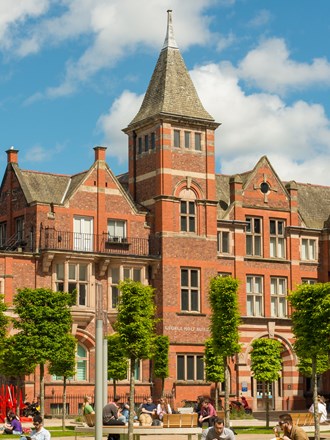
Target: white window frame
x,y
308,281
309,249
277,239
224,242
190,360
120,273
190,292
255,295
278,297
117,230
64,282
84,359
254,236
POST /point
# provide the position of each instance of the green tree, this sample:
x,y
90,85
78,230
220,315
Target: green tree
x,y
214,371
311,329
136,327
43,319
322,364
266,364
161,370
225,320
63,363
117,360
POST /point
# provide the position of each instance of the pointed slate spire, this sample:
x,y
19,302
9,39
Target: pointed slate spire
x,y
169,39
171,91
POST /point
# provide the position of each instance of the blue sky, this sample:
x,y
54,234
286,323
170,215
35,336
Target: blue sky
x,y
73,74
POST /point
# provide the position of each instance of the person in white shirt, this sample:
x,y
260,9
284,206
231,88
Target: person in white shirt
x,y
321,409
163,407
39,432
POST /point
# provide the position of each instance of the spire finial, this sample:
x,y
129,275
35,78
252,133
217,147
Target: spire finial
x,y
169,39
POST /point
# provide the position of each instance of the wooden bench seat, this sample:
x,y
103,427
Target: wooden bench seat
x,y
302,418
180,420
143,432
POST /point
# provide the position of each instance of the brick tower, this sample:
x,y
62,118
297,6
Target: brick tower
x,y
172,174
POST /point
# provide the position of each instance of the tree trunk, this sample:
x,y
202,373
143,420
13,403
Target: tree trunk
x,y
227,387
64,403
163,386
42,390
131,400
216,396
267,404
315,401
114,388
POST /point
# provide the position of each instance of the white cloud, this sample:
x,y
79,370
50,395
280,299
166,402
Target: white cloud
x,y
270,68
13,13
296,137
110,30
118,117
262,18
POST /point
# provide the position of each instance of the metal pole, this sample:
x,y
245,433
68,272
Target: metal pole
x,y
105,370
98,363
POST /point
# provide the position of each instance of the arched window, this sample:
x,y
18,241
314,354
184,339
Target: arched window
x,y
187,211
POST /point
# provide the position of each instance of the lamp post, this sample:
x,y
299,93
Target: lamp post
x,y
99,362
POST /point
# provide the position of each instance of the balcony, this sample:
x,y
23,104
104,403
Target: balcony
x,y
53,240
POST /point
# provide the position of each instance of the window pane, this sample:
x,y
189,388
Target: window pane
x,y
114,297
272,249
82,294
225,242
281,286
272,227
248,226
191,224
280,248
257,245
280,227
183,208
177,138
82,272
258,285
200,368
273,307
194,300
60,271
304,249
184,299
198,145
180,368
115,275
190,367
311,252
249,305
282,307
249,284
273,289
183,223
257,228
184,277
187,139
192,208
136,274
249,245
72,287
72,271
194,278
127,274
81,370
258,302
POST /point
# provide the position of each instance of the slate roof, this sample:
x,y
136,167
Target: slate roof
x,y
46,187
314,204
171,90
313,201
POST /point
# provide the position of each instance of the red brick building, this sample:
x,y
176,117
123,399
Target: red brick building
x,y
174,223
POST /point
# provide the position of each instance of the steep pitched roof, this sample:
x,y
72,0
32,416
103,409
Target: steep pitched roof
x,y
314,204
171,90
42,187
313,200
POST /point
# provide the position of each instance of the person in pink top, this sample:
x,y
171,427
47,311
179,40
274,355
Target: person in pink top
x,y
207,413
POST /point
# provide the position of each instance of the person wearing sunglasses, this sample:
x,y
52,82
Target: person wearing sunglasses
x,y
39,432
291,431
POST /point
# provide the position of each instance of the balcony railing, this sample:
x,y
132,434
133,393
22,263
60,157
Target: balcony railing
x,y
51,239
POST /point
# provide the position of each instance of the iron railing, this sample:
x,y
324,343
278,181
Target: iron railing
x,y
51,239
